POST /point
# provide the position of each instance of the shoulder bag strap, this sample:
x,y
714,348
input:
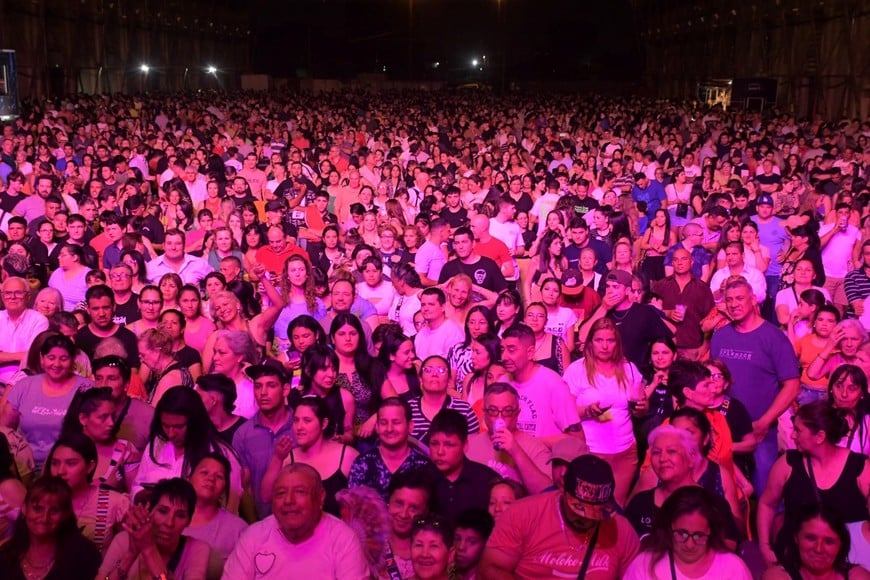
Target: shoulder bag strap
x,y
102,520
673,565
390,561
813,480
590,548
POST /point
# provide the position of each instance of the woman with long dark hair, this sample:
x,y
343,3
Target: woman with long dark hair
x,y
91,414
46,543
320,367
313,433
197,327
181,433
98,509
654,244
459,356
359,372
817,470
397,355
687,538
847,393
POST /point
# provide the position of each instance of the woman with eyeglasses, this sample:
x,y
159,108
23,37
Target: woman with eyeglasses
x,y
434,381
687,540
150,306
819,548
37,404
843,347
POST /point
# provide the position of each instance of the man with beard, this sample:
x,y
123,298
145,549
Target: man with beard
x,y
570,534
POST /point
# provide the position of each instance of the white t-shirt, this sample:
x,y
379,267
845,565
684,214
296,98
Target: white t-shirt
x,y
611,432
561,323
546,406
333,551
542,208
439,341
724,565
429,260
837,255
381,296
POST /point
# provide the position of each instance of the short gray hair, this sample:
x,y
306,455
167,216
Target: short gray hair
x,y
687,441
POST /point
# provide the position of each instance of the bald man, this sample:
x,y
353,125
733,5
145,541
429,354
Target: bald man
x,y
691,239
492,248
686,300
298,540
19,325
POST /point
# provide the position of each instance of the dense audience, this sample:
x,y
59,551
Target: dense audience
x,y
432,335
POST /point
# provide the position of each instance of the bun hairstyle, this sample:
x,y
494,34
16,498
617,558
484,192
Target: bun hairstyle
x,y
821,416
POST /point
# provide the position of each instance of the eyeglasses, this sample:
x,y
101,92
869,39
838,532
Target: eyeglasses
x,y
439,371
120,276
506,412
150,302
682,536
13,293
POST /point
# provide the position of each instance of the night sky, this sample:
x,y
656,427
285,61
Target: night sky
x,y
544,40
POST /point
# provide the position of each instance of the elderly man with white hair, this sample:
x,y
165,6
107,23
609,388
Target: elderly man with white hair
x,y
19,325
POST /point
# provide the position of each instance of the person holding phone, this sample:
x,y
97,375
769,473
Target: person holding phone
x,y
603,382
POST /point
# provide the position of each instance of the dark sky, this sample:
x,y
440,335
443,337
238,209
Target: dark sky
x,y
544,39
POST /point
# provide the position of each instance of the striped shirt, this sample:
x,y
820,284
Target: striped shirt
x,y
422,423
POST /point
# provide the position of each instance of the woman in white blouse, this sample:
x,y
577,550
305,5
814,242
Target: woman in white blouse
x,y
181,433
606,386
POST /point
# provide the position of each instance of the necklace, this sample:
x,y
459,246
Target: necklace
x,y
34,571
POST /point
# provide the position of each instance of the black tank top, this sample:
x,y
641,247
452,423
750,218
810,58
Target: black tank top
x,y
844,496
332,485
554,361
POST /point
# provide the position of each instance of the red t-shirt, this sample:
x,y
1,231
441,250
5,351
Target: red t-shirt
x,y
495,250
532,533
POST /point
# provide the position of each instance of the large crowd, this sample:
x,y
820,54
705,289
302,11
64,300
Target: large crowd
x,y
432,335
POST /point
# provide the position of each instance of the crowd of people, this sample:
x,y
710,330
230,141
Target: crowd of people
x,y
432,335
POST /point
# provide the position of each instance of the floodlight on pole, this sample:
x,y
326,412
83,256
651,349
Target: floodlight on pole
x,y
210,69
474,62
145,68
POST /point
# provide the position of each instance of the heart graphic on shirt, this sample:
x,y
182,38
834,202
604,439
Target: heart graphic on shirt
x,y
264,562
